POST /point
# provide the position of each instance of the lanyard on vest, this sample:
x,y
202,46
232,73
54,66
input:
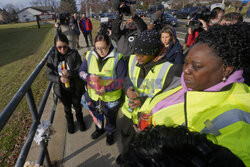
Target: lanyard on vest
x,y
115,63
160,76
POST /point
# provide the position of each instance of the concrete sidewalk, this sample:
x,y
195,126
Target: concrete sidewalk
x,y
78,149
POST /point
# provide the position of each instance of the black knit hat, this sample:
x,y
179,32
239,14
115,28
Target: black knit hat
x,y
148,43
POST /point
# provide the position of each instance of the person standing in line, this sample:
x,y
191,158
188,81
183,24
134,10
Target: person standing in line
x,y
172,48
218,10
104,70
62,69
212,97
85,25
75,21
148,74
74,32
125,37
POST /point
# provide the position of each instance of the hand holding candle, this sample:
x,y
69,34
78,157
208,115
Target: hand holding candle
x,y
65,75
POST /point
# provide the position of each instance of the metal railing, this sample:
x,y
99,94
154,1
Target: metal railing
x,y
36,114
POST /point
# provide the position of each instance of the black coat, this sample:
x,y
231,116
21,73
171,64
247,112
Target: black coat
x,y
73,60
125,38
174,53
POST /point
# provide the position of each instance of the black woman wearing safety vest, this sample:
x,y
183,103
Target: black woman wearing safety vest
x,y
148,74
104,70
212,97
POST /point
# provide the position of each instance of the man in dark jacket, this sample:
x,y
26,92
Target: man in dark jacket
x,y
74,32
75,23
125,37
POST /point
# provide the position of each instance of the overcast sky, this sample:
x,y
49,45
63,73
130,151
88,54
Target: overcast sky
x,y
18,3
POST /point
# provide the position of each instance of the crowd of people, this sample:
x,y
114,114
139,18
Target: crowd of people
x,y
179,109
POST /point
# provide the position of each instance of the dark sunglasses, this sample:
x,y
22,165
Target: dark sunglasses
x,y
60,47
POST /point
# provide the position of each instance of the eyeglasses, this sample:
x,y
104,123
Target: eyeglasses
x,y
101,49
62,47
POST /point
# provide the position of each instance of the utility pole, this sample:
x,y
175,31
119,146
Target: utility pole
x,y
87,8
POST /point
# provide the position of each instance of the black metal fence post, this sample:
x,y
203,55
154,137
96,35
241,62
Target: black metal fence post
x,y
32,105
36,113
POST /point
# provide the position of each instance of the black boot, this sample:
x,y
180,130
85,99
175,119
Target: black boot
x,y
110,139
97,133
80,121
119,160
70,123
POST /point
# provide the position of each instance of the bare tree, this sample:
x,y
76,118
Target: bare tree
x,y
96,6
52,3
11,12
67,6
10,8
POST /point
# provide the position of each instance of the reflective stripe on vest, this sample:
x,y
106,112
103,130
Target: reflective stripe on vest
x,y
226,119
161,74
163,70
132,69
89,58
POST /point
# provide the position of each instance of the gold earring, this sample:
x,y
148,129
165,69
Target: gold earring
x,y
224,79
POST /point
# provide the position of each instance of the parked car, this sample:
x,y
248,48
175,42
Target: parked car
x,y
111,16
171,11
94,16
170,19
185,13
141,13
152,9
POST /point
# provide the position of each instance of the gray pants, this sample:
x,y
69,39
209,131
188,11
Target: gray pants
x,y
71,35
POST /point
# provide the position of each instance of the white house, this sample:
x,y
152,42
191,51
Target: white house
x,y
29,14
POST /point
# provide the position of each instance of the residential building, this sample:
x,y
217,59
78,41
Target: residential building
x,y
29,14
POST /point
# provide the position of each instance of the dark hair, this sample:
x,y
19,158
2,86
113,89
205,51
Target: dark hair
x,y
102,37
215,12
163,146
61,37
230,42
232,16
168,29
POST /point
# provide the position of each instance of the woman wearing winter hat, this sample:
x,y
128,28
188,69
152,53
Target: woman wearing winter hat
x,y
147,76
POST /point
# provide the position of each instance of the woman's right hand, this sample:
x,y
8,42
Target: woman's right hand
x,y
64,80
131,93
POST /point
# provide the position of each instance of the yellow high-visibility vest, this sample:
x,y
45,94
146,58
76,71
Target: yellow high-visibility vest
x,y
107,73
151,85
225,114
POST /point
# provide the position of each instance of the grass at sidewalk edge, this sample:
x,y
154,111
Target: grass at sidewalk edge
x,y
13,74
